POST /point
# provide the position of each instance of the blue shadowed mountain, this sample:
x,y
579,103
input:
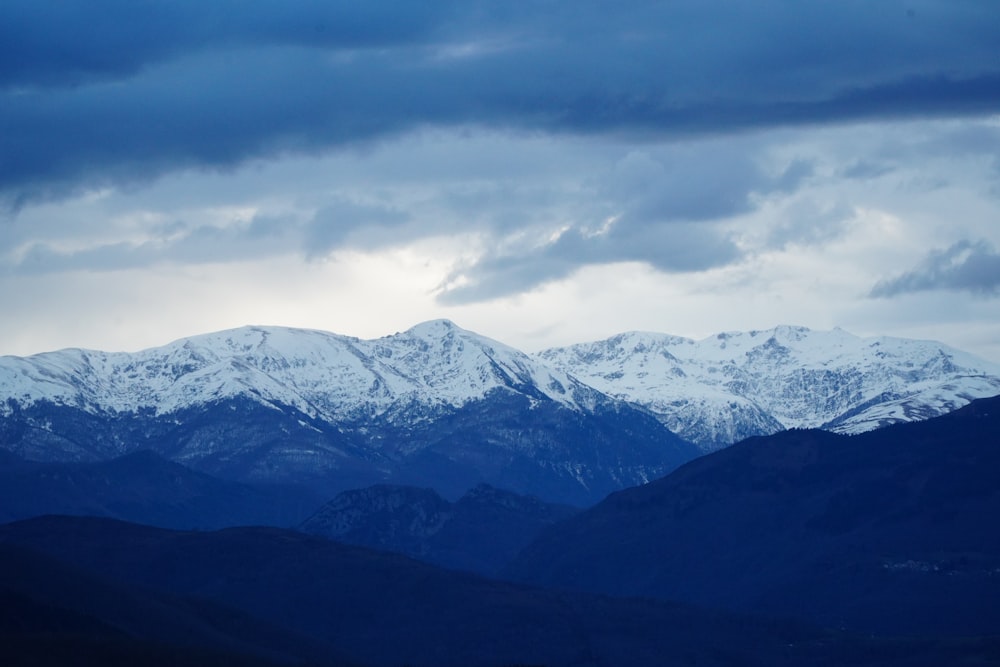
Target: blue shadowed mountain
x,y
480,532
891,531
143,487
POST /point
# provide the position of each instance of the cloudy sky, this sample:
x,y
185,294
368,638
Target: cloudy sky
x,y
542,172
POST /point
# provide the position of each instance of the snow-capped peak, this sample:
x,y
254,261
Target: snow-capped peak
x,y
734,384
319,373
712,391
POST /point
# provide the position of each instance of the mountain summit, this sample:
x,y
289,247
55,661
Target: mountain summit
x,y
326,375
731,386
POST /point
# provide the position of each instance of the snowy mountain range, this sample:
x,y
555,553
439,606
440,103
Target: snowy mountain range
x,y
730,386
442,407
435,405
323,375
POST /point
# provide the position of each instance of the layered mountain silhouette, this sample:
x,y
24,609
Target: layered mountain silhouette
x,y
801,548
480,532
891,532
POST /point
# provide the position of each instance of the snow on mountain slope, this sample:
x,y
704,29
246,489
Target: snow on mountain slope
x,y
437,402
433,406
321,374
733,385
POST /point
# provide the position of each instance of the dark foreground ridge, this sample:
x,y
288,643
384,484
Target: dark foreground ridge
x,y
890,532
380,609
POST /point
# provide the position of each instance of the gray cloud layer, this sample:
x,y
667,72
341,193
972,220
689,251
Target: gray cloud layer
x,y
965,266
661,209
111,92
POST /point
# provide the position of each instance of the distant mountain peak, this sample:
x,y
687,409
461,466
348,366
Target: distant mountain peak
x,y
734,384
315,371
786,331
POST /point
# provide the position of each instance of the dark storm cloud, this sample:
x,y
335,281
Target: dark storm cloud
x,y
66,42
110,92
965,266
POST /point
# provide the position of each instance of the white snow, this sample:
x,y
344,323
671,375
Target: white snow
x,y
712,391
716,390
319,373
